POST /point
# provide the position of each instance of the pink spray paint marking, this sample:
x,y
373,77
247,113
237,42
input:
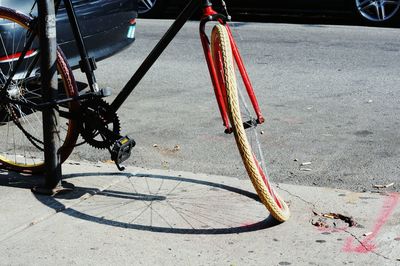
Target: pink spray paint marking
x,y
367,244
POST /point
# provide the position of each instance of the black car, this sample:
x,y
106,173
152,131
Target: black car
x,y
107,26
371,12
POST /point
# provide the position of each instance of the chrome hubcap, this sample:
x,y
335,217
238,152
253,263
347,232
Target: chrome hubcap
x,y
377,10
145,5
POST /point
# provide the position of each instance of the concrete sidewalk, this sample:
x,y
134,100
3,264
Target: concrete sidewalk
x,y
149,217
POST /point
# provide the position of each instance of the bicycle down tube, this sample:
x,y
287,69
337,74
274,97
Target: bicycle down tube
x,y
155,53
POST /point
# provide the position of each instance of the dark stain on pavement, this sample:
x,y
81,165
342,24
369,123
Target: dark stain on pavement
x,y
363,133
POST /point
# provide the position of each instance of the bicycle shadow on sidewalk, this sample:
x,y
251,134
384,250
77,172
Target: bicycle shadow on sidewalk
x,y
20,180
157,203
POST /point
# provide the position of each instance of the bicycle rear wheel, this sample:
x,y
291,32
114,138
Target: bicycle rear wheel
x,y
244,124
21,127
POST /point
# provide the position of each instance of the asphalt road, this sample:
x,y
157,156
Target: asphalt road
x,y
330,95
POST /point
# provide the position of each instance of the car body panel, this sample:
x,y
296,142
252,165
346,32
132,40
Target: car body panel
x,y
254,8
104,25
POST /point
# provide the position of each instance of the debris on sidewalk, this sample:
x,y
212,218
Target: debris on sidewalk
x,y
383,186
177,147
303,168
74,163
324,220
167,150
165,164
320,223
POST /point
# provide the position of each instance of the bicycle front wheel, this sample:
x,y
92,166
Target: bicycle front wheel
x,y
21,127
244,124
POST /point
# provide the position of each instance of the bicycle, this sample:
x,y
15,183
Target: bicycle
x,y
89,115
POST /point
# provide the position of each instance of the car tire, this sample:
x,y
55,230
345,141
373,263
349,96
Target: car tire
x,y
151,8
378,12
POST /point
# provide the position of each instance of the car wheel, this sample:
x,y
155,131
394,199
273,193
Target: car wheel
x,y
150,8
378,12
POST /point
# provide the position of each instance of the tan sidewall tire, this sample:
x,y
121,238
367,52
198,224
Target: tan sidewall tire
x,y
220,33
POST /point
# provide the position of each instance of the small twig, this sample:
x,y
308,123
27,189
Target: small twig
x,y
383,186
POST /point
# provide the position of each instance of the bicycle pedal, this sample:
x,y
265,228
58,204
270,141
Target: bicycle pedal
x,y
121,150
104,92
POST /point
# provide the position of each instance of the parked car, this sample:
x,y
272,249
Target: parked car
x,y
106,26
371,12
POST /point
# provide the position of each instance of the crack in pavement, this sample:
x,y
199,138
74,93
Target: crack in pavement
x,y
296,196
364,246
340,229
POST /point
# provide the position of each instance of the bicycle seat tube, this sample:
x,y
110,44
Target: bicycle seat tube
x,y
87,64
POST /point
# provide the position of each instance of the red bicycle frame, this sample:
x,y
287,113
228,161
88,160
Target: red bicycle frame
x,y
219,88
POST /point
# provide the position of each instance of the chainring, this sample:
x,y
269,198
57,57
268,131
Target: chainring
x,y
100,125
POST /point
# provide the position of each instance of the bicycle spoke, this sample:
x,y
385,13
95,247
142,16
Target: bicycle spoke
x,y
22,145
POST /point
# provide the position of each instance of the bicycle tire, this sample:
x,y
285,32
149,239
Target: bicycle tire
x,y
21,136
250,150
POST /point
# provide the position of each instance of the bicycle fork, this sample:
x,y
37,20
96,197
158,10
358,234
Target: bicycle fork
x,y
218,84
